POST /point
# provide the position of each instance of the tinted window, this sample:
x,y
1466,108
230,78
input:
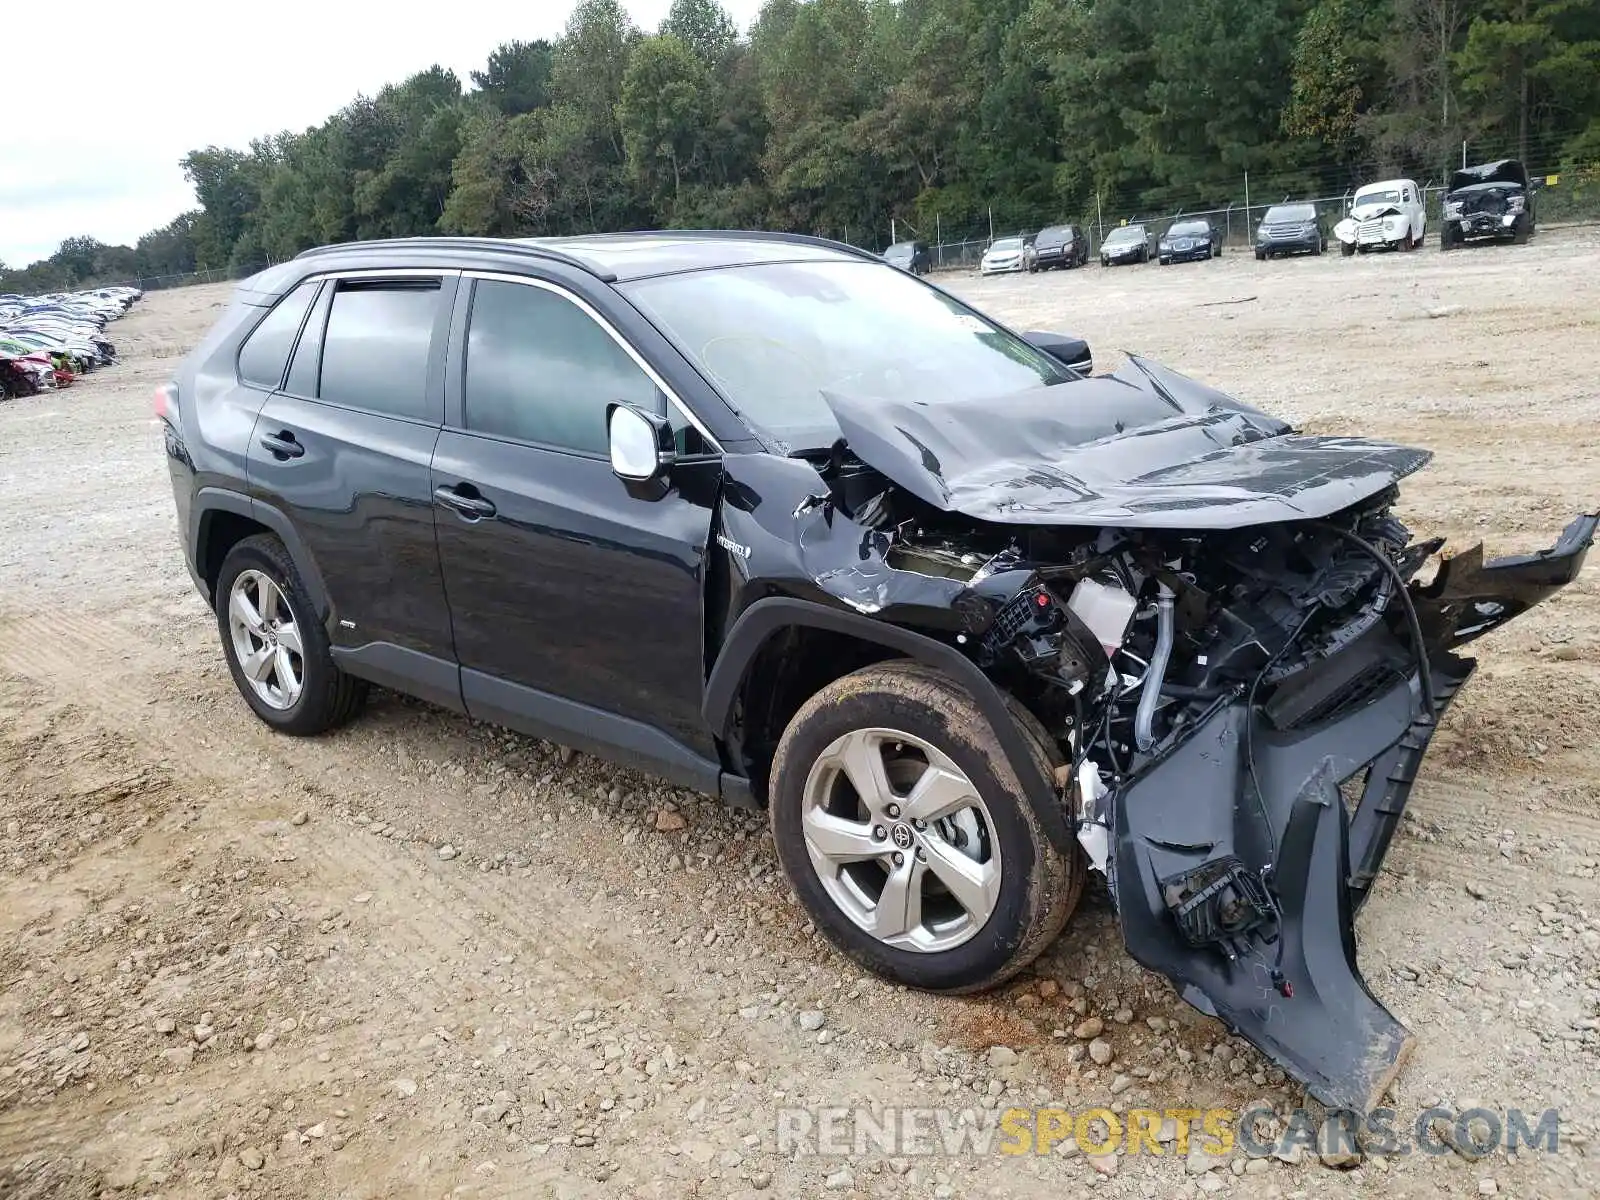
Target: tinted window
x,y
302,380
1190,229
375,354
1290,212
540,369
776,338
266,351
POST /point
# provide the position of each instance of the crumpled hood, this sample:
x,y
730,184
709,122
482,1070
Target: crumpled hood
x,y
1145,447
1366,212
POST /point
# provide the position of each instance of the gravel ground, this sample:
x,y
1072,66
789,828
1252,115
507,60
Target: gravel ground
x,y
423,956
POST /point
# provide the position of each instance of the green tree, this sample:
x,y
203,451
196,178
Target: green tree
x,y
663,117
1336,71
704,27
1531,62
517,76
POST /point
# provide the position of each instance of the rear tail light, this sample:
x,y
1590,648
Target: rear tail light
x,y
165,402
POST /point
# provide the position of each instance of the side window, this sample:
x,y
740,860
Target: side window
x,y
1405,194
375,351
540,369
265,352
302,379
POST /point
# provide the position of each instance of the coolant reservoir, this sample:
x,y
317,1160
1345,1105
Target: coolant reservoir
x,y
1105,609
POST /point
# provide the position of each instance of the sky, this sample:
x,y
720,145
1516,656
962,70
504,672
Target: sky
x,y
94,148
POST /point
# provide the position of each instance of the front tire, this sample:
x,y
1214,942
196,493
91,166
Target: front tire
x,y
905,834
277,649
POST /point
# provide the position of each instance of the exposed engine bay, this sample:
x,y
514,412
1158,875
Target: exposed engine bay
x,y
1224,627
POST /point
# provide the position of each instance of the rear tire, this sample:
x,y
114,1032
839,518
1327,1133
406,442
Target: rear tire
x,y
322,697
898,723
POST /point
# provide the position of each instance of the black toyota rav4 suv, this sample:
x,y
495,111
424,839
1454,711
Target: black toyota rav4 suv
x,y
776,520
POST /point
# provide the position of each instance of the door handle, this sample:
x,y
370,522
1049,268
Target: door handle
x,y
468,507
282,444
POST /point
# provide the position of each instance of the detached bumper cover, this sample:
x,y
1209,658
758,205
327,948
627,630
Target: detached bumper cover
x,y
1238,803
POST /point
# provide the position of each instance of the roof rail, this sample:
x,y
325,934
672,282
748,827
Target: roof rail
x,y
743,235
550,247
530,248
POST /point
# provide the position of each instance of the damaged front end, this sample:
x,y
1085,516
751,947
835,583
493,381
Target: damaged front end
x,y
1231,646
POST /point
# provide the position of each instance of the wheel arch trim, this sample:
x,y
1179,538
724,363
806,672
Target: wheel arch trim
x,y
770,616
210,500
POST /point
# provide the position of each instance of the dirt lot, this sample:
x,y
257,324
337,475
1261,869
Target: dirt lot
x,y
238,964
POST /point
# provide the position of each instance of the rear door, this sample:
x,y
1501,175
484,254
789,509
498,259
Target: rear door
x,y
343,451
577,606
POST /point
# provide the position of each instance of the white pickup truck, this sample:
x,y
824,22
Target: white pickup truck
x,y
1390,214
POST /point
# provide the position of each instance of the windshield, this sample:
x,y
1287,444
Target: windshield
x,y
1390,196
773,338
1006,245
1286,213
1128,233
1054,236
1189,229
899,251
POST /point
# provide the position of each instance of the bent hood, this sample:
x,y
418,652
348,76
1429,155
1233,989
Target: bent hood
x,y
1145,447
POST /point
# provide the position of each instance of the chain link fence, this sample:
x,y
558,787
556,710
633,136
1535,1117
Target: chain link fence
x,y
1563,196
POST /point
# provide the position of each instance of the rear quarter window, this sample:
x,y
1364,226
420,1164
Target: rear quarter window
x,y
265,352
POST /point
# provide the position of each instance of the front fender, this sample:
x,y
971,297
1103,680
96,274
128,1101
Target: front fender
x,y
768,617
1345,231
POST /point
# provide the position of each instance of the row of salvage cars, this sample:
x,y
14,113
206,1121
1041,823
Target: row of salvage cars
x,y
1490,201
48,341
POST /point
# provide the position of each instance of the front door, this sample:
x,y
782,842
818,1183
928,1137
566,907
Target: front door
x,y
577,607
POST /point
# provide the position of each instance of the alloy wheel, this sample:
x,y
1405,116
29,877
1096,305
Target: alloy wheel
x,y
901,841
266,639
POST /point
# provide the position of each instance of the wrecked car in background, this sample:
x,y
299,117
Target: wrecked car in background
x,y
1493,200
802,530
1389,215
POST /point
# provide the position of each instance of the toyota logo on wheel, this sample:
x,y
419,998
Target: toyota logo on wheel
x,y
901,836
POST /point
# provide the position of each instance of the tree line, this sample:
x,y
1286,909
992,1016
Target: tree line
x,y
832,116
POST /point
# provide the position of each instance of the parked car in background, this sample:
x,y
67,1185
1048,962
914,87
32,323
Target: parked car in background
x,y
910,256
1290,229
1492,200
1187,241
1388,215
1125,244
1004,256
1059,246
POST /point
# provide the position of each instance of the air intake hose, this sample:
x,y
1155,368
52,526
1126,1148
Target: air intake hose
x,y
1150,693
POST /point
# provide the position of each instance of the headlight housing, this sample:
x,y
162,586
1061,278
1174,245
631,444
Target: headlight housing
x,y
1516,203
1452,208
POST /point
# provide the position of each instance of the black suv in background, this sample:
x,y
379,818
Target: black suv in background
x,y
777,521
1059,246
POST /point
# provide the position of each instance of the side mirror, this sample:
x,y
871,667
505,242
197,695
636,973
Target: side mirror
x,y
1067,350
642,449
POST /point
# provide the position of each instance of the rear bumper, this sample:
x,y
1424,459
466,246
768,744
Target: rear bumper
x,y
1239,865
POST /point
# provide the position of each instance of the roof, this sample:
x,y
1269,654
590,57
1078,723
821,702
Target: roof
x,y
616,257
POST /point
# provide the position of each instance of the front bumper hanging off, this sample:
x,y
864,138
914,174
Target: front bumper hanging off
x,y
1238,865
